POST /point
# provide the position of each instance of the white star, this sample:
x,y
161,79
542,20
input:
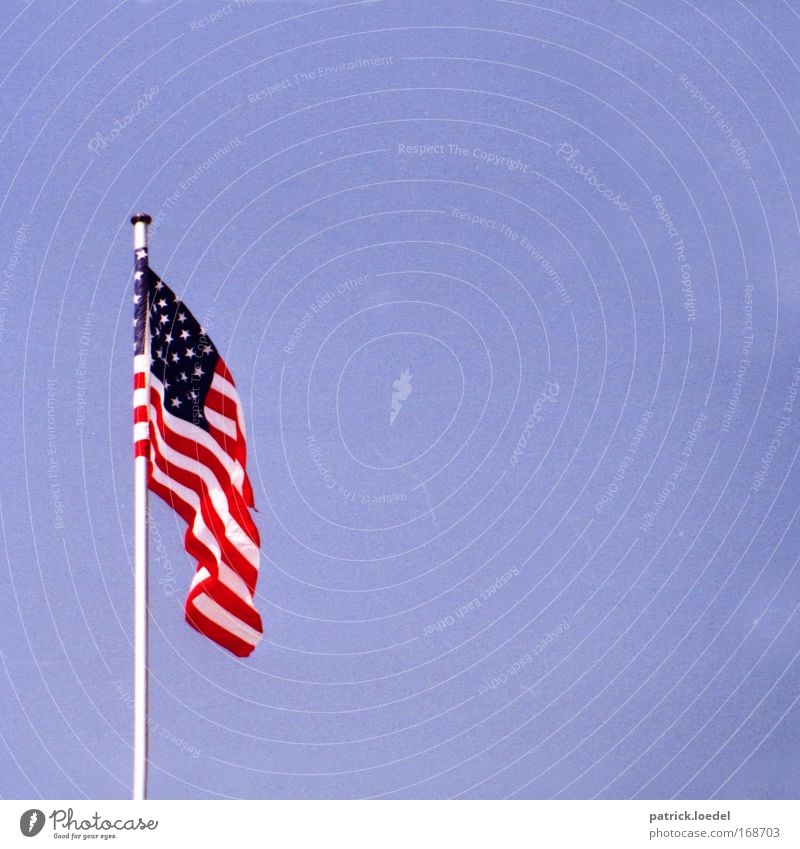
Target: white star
x,y
175,358
181,317
183,375
175,402
164,319
138,275
190,353
185,334
162,303
198,371
141,253
159,285
168,338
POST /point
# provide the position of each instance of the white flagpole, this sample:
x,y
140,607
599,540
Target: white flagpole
x,y
140,705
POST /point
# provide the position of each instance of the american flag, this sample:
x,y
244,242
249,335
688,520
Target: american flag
x,y
190,425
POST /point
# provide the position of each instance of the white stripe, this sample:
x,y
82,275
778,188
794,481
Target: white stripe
x,y
140,363
225,387
217,614
141,430
201,531
199,576
220,422
139,397
233,531
222,387
197,434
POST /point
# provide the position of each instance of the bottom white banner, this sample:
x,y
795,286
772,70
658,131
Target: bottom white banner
x,y
390,824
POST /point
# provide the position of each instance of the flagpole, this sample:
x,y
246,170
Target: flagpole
x,y
141,460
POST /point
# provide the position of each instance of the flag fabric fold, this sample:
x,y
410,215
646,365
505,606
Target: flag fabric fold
x,y
188,420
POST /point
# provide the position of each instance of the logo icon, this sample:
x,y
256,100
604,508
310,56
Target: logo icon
x,y
31,822
403,389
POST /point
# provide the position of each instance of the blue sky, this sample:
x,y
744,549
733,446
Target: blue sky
x,y
510,295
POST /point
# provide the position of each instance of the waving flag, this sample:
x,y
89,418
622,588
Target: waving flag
x,y
188,421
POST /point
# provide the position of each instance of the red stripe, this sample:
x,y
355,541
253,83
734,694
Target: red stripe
x,y
234,447
241,443
222,370
196,483
232,556
232,603
219,635
223,405
239,499
199,487
200,454
190,447
225,442
193,544
212,586
247,492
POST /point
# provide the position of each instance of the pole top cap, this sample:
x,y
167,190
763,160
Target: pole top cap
x,y
141,216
